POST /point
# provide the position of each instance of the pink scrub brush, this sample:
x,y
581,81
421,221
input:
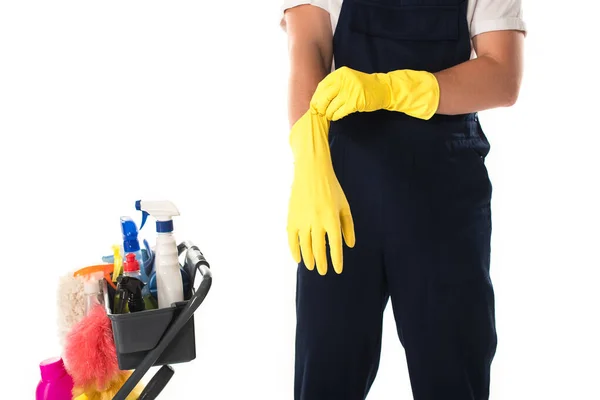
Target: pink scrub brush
x,y
90,353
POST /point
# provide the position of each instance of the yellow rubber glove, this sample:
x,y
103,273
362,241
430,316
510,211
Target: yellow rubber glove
x,y
346,91
317,205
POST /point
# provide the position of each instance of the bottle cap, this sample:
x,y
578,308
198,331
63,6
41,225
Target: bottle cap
x,y
131,263
91,286
164,226
52,368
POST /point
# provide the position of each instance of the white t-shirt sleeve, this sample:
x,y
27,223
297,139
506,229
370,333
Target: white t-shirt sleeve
x,y
287,4
495,15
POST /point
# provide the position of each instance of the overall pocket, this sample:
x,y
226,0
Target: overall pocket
x,y
415,21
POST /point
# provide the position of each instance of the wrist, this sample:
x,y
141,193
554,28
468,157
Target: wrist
x,y
415,93
309,137
382,85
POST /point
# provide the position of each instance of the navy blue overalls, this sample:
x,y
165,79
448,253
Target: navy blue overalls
x,y
420,196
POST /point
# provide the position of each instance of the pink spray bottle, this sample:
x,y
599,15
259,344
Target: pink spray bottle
x,y
56,383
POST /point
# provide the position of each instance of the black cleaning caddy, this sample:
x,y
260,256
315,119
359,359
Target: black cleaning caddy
x,y
163,336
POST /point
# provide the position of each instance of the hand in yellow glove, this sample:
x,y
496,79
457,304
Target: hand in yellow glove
x,y
317,205
346,91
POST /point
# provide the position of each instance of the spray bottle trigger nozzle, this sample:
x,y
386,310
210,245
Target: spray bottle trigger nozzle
x,y
144,218
138,206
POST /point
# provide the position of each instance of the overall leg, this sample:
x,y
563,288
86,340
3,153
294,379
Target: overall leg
x,y
338,336
438,273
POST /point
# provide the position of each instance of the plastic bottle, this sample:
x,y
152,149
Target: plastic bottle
x,y
184,278
131,244
132,269
147,256
169,282
56,383
92,291
130,287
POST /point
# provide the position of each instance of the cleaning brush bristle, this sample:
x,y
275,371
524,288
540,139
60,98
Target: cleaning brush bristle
x,y
71,304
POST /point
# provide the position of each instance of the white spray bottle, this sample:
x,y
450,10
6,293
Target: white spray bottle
x,y
169,283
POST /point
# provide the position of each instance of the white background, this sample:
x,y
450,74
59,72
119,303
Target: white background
x,y
103,103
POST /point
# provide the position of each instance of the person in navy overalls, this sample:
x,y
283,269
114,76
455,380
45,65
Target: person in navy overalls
x,y
418,189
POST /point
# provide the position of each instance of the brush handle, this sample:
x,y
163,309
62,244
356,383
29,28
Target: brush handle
x,y
157,383
170,334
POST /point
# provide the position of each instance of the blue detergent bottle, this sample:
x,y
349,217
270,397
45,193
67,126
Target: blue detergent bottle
x,y
131,244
